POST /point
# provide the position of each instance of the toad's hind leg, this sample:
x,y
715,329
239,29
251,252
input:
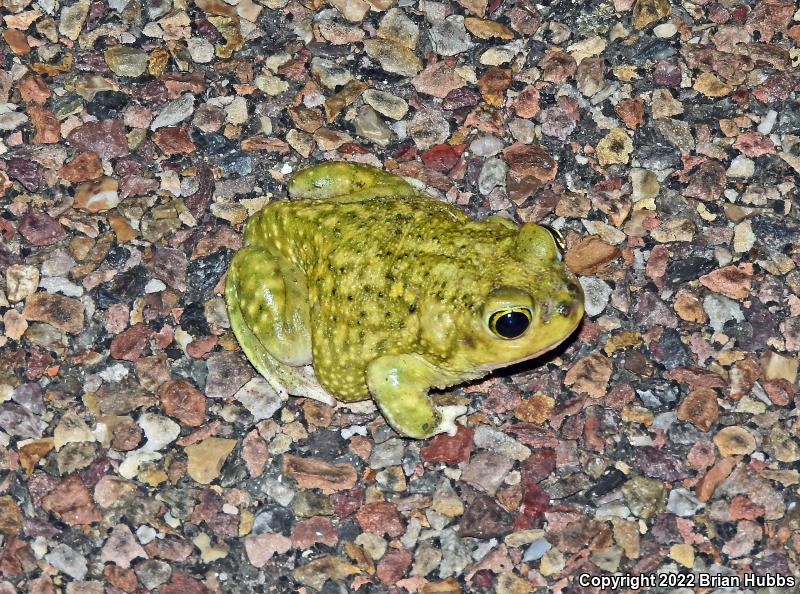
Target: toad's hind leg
x,y
267,306
349,182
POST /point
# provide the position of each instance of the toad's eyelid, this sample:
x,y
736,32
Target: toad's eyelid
x,y
558,240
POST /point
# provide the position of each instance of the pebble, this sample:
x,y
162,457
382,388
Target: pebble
x,y
369,126
259,398
126,61
646,12
596,293
63,313
720,310
105,138
496,441
227,372
205,459
397,27
21,282
97,195
392,57
200,50
700,408
68,561
734,441
428,127
158,430
121,547
615,147
486,471
493,175
644,496
71,20
741,167
174,112
449,37
486,145
683,503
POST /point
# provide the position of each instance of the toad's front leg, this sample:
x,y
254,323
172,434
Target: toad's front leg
x,y
400,384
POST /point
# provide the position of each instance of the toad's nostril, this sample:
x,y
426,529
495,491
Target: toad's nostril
x,y
546,311
564,308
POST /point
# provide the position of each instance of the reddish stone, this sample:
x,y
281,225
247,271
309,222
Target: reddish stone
x,y
174,141
17,41
183,584
449,449
25,171
129,345
780,391
697,377
307,533
126,436
530,434
713,478
170,549
538,466
441,157
631,112
65,313
41,585
181,400
201,347
526,104
348,502
743,508
667,72
124,579
394,566
33,89
484,518
590,75
381,517
72,503
731,281
106,138
255,453
557,66
531,160
493,85
83,167
524,18
316,474
483,579
707,182
717,13
700,408
740,13
47,126
754,144
209,510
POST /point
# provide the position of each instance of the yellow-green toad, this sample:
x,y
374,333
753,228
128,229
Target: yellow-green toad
x,y
388,293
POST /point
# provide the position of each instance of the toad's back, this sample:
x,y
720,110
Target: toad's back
x,y
368,266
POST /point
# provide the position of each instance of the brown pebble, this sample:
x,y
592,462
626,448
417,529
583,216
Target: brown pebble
x,y
182,401
700,408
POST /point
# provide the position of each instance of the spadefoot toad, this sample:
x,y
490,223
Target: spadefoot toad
x,y
389,293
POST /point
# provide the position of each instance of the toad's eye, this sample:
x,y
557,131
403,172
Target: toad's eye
x,y
510,323
558,239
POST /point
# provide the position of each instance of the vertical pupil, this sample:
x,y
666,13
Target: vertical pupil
x,y
511,324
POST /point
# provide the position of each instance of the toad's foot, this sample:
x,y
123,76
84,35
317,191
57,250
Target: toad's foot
x,y
399,384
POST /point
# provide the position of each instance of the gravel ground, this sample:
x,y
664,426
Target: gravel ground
x,y
140,452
